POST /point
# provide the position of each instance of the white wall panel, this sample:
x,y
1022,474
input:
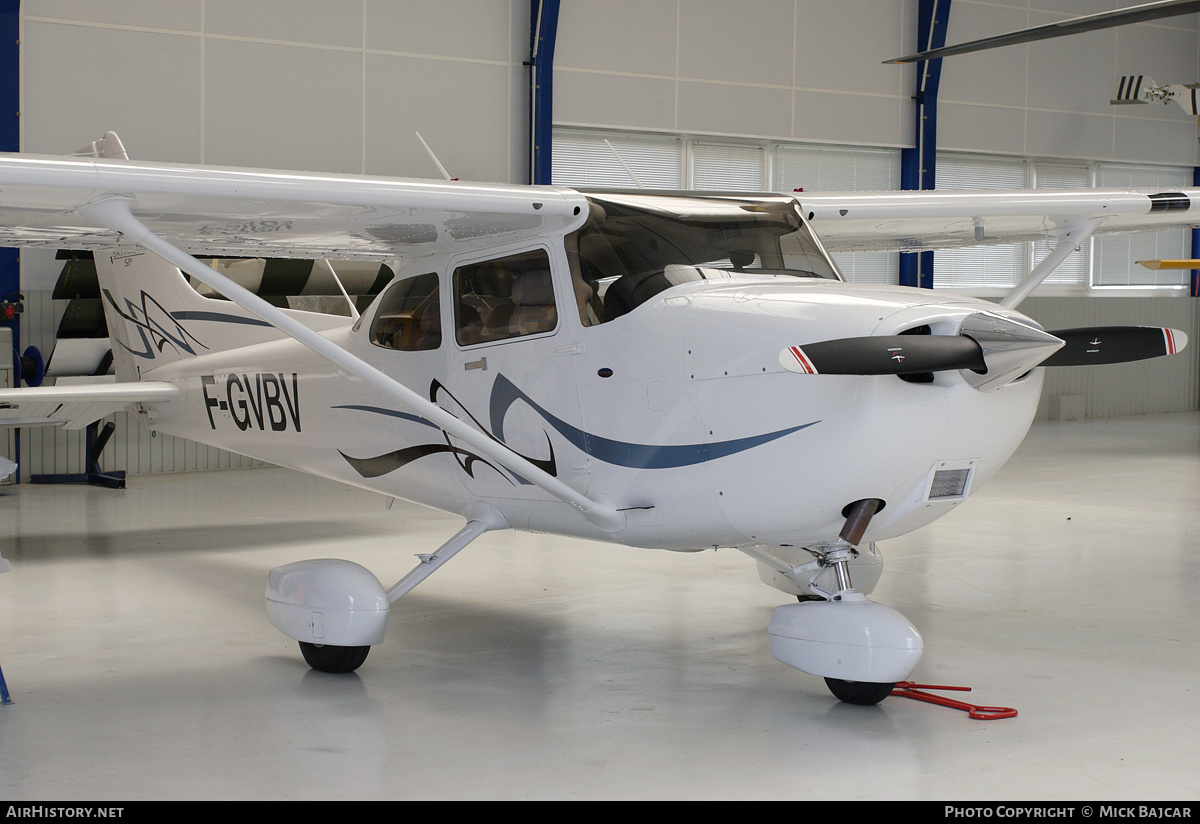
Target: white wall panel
x,y
629,36
325,22
716,108
614,100
837,41
961,124
1047,132
747,43
465,29
281,106
151,14
79,81
402,104
855,119
1153,141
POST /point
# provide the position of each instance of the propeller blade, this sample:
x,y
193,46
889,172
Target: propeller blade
x,y
1075,25
1114,344
884,355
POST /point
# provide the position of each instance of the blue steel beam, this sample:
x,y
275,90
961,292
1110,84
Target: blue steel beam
x,y
543,30
10,135
919,164
1195,241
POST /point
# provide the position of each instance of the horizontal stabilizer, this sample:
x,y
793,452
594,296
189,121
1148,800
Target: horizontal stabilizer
x,y
884,355
1136,88
78,405
1114,344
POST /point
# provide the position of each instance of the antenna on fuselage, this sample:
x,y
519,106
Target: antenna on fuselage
x,y
624,165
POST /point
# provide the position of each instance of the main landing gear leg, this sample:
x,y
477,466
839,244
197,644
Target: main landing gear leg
x,y
337,609
859,647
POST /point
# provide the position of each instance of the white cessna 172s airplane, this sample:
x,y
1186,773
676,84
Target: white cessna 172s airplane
x,y
670,371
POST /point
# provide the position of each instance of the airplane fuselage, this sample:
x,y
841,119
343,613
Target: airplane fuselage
x,y
659,411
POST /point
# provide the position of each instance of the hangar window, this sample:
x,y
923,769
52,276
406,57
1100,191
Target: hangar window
x,y
409,316
502,298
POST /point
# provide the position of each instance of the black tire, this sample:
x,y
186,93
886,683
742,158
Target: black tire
x,y
328,658
863,693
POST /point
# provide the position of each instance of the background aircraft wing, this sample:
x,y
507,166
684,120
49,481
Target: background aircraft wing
x,y
917,220
77,405
231,212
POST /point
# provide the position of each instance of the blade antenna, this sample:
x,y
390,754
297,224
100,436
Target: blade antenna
x,y
433,157
624,165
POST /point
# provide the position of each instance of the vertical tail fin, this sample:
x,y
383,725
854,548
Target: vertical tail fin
x,y
155,317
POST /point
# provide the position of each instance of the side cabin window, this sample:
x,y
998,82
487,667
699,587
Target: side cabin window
x,y
504,298
409,316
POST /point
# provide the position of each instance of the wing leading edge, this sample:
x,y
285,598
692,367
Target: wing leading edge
x,y
917,220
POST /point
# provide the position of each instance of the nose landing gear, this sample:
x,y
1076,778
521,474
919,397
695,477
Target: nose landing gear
x,y
859,647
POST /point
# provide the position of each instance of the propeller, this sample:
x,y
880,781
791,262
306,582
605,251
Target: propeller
x,y
885,355
998,356
1114,344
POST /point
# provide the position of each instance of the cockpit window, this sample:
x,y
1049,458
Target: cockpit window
x,y
636,246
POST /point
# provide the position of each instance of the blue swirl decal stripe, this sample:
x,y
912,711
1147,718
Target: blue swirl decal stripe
x,y
619,453
392,413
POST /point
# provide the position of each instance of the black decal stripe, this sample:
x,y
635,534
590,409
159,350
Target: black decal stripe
x,y
1170,202
379,465
217,317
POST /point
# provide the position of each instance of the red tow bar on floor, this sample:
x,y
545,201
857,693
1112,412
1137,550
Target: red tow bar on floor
x,y
907,689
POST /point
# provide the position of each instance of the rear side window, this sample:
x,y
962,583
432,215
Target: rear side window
x,y
409,316
508,297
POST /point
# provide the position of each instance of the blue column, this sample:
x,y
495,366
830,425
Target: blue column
x,y
1195,241
10,135
543,29
918,164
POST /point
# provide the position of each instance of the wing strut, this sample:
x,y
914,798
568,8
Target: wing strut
x,y
115,213
1069,238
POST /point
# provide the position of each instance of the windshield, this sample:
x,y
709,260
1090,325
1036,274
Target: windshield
x,y
636,246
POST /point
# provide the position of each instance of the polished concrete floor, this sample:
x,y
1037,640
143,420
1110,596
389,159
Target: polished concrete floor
x,y
142,666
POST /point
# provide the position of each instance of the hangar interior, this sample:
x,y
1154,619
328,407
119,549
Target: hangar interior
x,y
133,634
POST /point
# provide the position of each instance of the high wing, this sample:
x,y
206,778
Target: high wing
x,y
263,213
77,405
218,211
918,220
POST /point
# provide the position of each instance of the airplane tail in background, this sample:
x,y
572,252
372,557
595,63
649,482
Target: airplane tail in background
x,y
1141,88
155,317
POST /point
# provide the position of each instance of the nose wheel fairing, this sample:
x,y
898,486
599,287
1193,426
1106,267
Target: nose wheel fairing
x,y
850,639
